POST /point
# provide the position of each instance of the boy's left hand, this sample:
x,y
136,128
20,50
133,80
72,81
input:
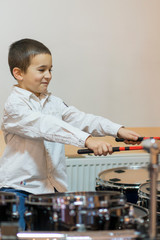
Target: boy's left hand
x,y
129,136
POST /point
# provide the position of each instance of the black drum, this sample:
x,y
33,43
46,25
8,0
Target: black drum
x,y
125,179
8,207
144,197
79,211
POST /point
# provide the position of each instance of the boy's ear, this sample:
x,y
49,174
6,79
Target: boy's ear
x,y
17,73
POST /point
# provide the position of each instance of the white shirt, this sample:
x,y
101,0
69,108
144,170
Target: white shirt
x,y
35,131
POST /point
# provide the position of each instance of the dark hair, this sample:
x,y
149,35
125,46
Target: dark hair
x,y
21,52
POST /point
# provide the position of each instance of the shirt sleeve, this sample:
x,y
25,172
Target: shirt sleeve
x,y
95,125
21,120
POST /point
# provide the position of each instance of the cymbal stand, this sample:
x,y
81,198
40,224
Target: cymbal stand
x,y
153,147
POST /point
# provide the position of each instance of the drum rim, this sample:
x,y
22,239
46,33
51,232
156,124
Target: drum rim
x,y
108,234
146,195
78,193
139,207
100,197
8,197
135,206
117,184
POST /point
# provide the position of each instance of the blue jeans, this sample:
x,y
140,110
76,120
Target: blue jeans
x,y
21,207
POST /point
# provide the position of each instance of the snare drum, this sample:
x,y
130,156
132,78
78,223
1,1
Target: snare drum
x,y
8,207
125,179
144,196
71,211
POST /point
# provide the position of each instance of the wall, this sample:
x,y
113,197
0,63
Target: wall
x,y
106,53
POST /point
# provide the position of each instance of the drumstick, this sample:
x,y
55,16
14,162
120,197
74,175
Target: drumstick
x,y
138,140
115,149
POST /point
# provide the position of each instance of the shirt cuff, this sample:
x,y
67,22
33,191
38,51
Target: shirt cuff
x,y
82,140
116,128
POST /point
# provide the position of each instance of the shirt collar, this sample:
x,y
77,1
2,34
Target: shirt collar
x,y
27,94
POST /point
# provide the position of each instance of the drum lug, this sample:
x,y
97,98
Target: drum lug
x,y
104,213
139,203
28,214
81,227
129,220
72,213
15,215
28,218
55,217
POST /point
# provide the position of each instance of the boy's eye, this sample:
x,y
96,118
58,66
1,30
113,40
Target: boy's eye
x,y
42,70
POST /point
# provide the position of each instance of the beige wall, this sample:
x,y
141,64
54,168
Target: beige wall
x,y
106,53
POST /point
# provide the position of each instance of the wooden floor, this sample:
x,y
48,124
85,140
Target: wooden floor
x,y
71,151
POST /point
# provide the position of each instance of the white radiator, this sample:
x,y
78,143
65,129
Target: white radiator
x,y
82,172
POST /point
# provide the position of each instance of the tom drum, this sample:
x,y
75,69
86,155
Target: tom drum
x,y
124,179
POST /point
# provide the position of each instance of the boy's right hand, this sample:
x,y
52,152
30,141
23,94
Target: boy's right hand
x,y
98,147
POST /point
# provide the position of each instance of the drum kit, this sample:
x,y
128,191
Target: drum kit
x,y
125,206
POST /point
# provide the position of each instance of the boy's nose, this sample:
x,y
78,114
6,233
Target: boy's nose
x,y
48,74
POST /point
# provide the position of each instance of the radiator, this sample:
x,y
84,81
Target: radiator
x,y
82,172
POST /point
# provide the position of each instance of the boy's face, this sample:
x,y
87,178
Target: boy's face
x,y
38,74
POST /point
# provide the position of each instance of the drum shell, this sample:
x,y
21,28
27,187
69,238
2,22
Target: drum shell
x,y
144,197
8,207
131,194
71,211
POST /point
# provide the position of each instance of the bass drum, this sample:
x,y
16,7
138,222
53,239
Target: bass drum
x,y
8,207
79,211
125,179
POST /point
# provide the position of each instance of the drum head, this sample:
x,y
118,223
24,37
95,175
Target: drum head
x,y
124,176
139,212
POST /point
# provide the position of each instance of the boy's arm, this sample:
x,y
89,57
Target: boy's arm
x,y
19,119
97,125
94,125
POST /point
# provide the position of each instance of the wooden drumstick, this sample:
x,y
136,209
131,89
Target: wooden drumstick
x,y
115,149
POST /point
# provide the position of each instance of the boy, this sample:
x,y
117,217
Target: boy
x,y
36,126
